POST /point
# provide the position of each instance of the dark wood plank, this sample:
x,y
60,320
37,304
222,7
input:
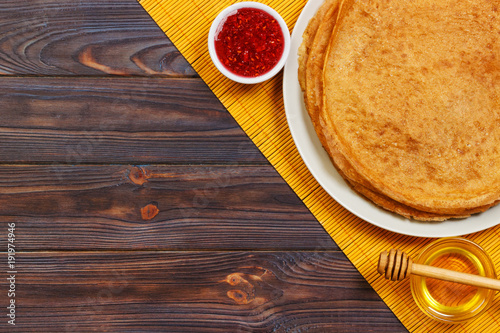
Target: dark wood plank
x,y
195,292
230,200
120,120
92,37
154,207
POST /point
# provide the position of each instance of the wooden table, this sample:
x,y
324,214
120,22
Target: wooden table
x,y
138,202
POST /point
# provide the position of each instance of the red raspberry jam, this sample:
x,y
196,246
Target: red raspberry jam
x,y
249,42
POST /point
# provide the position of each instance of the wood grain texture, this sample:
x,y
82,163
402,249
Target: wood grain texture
x,y
196,292
120,120
91,37
139,203
153,208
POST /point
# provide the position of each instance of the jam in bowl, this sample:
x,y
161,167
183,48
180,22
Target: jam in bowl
x,y
249,42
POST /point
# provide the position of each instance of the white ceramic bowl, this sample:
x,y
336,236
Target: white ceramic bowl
x,y
215,59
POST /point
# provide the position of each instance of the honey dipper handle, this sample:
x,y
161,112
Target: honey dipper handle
x,y
453,276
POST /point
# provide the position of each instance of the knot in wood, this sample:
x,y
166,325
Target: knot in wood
x,y
138,176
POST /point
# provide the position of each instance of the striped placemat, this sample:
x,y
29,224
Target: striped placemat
x,y
259,110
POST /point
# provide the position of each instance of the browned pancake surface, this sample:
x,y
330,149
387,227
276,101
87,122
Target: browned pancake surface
x,y
411,101
316,41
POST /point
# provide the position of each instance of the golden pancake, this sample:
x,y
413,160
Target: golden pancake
x,y
308,38
314,65
411,101
311,66
311,61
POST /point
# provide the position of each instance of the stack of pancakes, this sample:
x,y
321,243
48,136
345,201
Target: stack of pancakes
x,y
404,97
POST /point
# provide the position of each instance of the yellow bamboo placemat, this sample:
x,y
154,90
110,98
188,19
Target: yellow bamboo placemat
x,y
260,112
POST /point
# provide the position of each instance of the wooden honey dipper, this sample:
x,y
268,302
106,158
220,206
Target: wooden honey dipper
x,y
396,266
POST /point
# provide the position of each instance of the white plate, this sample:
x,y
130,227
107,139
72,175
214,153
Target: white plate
x,y
318,162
